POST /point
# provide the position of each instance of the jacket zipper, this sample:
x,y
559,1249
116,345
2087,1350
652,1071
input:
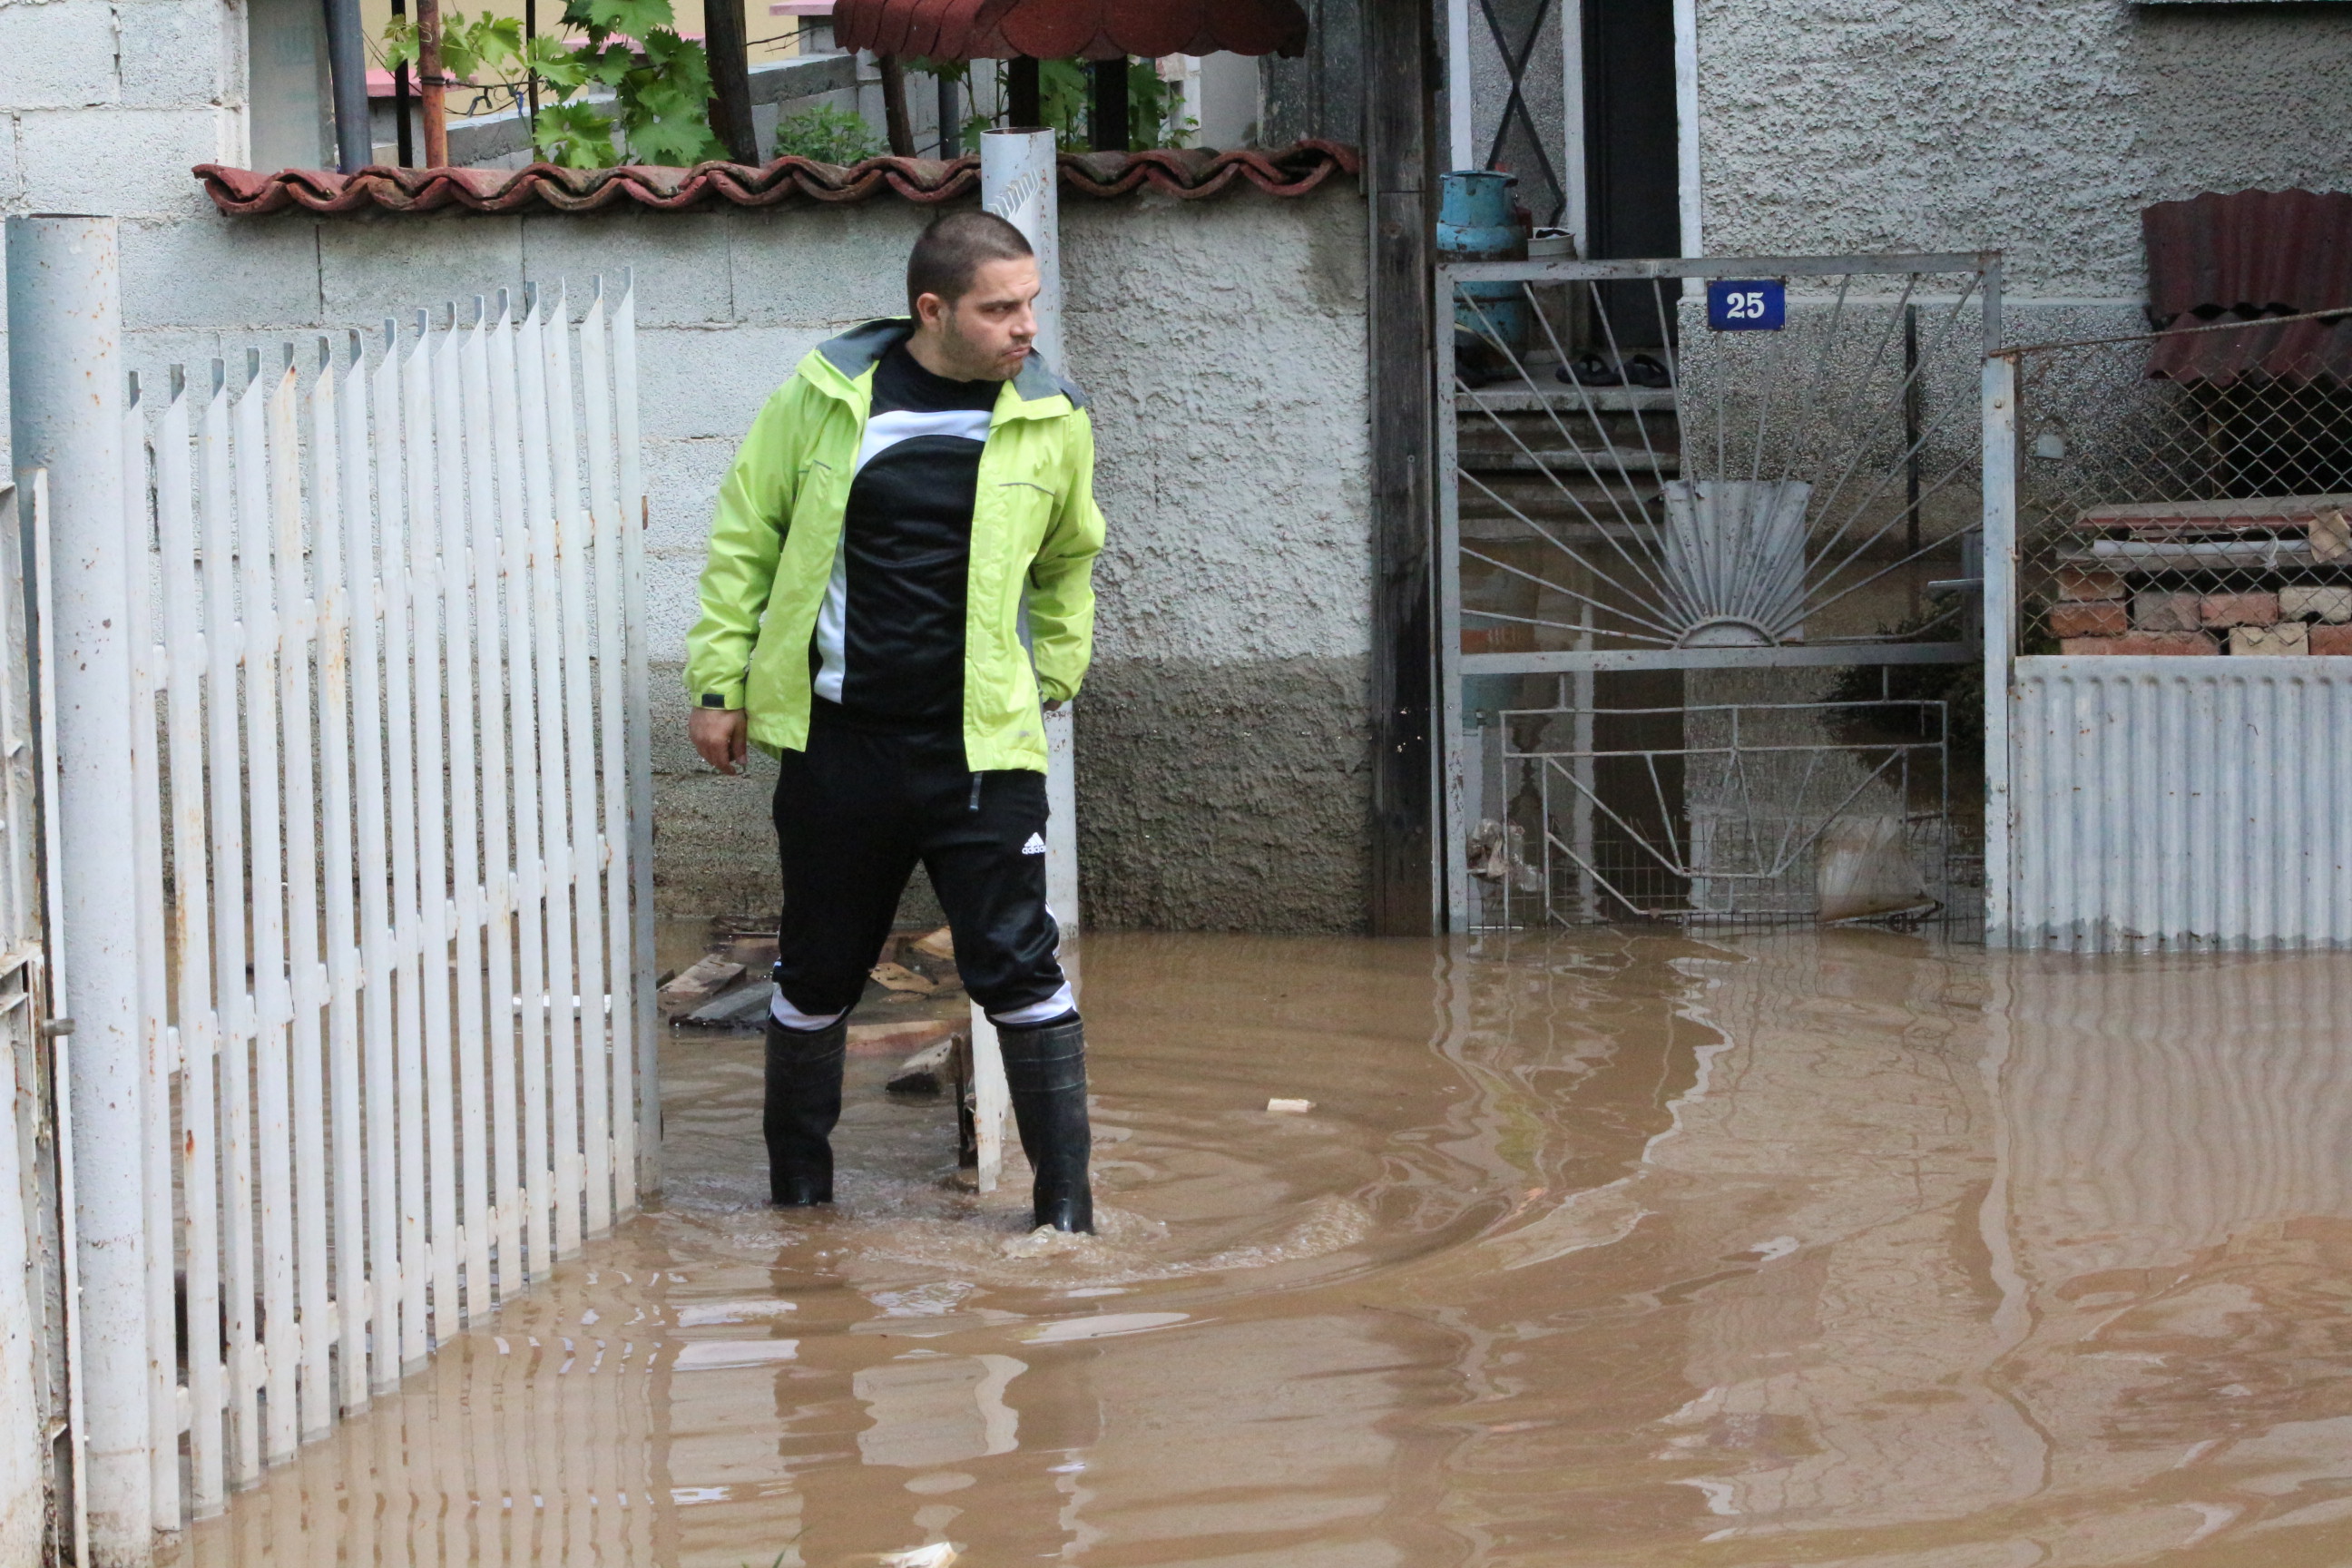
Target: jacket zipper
x,y
975,793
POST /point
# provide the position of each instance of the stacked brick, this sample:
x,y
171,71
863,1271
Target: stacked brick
x,y
2175,579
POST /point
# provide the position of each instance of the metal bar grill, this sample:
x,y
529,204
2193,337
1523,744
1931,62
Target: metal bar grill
x,y
1673,487
390,779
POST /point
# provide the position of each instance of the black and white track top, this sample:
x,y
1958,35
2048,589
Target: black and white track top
x,y
889,643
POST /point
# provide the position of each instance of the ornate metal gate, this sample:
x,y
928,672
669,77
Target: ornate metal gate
x,y
1661,482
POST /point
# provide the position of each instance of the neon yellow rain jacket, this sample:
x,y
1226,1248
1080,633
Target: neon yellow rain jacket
x,y
1034,531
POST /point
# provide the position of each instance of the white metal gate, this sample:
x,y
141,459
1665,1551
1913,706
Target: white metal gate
x,y
391,799
1676,497
33,1391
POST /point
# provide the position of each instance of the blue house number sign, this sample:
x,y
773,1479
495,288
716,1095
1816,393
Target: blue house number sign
x,y
1746,305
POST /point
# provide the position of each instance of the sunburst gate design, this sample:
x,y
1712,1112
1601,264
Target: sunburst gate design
x,y
1704,464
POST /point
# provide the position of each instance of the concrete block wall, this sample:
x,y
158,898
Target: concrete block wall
x,y
1221,737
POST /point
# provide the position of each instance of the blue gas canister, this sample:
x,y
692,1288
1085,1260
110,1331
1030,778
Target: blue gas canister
x,y
1476,223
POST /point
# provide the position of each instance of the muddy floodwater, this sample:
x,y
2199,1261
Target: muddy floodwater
x,y
1601,1248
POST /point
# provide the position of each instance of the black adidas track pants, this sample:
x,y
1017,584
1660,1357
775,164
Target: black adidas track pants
x,y
855,812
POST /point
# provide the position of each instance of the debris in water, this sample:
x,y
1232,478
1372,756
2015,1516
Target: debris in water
x,y
914,1034
926,1072
940,944
736,1010
753,950
898,977
1498,854
1290,1106
701,980
1866,871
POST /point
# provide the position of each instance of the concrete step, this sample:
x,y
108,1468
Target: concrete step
x,y
1608,462
1518,397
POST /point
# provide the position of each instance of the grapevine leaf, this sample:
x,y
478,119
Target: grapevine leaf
x,y
399,43
574,136
634,18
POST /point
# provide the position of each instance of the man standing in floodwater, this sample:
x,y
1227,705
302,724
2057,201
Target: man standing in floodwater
x,y
919,488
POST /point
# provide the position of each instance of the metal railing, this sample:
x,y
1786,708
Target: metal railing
x,y
1716,813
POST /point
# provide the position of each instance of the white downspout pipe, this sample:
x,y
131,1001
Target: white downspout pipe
x,y
1020,181
65,342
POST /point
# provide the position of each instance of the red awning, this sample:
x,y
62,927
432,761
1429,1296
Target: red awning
x,y
1064,29
2252,255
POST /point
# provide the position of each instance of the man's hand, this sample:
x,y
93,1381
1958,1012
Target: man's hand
x,y
720,735
1054,705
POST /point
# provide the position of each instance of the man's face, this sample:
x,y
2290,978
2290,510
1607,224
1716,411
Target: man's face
x,y
986,335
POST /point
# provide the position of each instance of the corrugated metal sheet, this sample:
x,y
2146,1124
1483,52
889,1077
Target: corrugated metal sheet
x,y
2246,256
2181,803
1188,173
1062,29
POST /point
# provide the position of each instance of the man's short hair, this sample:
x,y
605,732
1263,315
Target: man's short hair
x,y
952,248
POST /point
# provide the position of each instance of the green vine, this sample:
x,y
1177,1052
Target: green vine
x,y
660,82
1155,108
660,87
826,134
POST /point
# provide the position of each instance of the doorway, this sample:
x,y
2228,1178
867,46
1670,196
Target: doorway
x,y
1633,195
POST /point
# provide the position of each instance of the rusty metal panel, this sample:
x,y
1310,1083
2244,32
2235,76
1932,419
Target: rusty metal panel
x,y
1056,30
2244,257
2180,803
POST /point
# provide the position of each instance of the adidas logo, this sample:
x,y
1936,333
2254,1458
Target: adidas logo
x,y
1037,844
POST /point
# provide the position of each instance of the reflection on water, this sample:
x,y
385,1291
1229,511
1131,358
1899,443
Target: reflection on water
x,y
1599,1249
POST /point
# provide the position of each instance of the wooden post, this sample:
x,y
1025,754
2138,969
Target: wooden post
x,y
1399,102
1109,127
405,148
900,129
730,80
1024,103
950,119
530,77
431,84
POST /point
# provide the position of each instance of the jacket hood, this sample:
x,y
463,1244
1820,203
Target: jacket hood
x,y
855,352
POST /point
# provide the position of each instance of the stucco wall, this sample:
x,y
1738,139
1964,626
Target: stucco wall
x,y
1224,746
2040,128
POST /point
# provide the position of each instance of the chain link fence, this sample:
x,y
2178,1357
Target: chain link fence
x,y
2186,492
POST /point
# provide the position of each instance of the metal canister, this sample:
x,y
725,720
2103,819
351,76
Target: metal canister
x,y
1476,223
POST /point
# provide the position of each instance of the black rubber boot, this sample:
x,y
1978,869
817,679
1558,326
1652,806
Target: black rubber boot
x,y
1045,1070
804,1103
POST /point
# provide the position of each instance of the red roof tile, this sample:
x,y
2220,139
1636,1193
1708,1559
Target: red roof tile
x,y
2245,257
1292,172
1060,29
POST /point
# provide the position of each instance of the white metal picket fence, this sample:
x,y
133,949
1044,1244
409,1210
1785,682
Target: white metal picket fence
x,y
393,818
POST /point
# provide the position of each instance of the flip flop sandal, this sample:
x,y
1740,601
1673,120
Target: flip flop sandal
x,y
1591,371
1643,371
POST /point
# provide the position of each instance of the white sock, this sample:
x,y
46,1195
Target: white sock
x,y
1054,1006
791,1017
